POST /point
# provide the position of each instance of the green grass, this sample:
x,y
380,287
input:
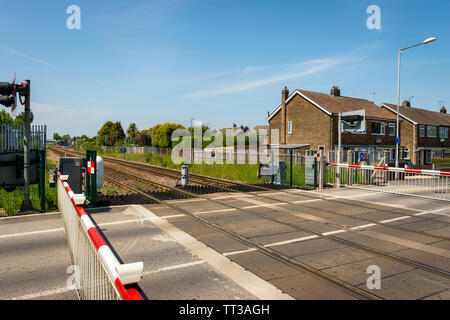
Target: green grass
x,y
238,172
109,190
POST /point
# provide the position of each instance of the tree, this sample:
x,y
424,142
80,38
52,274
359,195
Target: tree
x,y
56,136
19,120
143,139
162,134
131,133
111,133
5,118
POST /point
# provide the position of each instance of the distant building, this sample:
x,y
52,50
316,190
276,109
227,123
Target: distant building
x,y
307,117
423,133
262,131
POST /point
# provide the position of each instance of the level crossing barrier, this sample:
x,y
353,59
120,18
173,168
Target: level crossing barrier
x,y
98,273
434,184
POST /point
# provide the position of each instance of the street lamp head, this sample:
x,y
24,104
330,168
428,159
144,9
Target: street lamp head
x,y
429,40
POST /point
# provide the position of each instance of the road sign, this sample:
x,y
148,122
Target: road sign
x,y
398,140
361,157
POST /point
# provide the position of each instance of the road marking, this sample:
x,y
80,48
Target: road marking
x,y
42,294
277,206
188,200
173,216
31,233
291,241
364,226
395,219
333,232
247,280
65,289
408,243
174,267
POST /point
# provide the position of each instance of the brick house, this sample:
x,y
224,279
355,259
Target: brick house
x,y
424,133
306,117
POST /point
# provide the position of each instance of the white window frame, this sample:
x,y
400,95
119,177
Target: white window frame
x,y
422,128
392,125
289,127
382,128
428,132
443,130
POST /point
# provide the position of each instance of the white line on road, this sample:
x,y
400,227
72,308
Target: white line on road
x,y
247,280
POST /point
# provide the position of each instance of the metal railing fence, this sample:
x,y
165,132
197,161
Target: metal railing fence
x,y
432,184
95,266
11,137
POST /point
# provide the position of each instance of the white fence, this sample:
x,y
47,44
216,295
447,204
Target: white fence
x,y
98,273
432,184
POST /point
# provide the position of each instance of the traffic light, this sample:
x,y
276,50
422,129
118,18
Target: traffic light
x,y
7,94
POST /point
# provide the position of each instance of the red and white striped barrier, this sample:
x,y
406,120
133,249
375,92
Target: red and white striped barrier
x,y
118,274
386,168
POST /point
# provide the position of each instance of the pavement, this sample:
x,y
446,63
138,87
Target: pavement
x,y
184,259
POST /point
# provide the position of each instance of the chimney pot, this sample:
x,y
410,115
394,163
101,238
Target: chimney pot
x,y
406,103
335,91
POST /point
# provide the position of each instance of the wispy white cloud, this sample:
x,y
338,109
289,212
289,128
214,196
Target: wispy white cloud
x,y
72,120
294,71
23,55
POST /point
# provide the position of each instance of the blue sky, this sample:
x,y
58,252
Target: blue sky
x,y
214,60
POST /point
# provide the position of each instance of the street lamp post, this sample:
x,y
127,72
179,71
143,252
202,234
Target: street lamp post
x,y
397,140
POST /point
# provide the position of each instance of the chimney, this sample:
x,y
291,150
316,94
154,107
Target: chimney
x,y
335,91
443,110
284,96
406,103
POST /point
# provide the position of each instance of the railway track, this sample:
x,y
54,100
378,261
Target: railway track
x,y
154,191
201,184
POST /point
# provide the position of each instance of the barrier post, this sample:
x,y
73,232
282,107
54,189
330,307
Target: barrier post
x,y
91,176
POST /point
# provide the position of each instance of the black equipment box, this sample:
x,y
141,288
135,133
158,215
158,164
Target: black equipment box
x,y
73,167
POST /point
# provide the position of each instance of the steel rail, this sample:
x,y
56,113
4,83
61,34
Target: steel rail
x,y
332,238
335,282
160,170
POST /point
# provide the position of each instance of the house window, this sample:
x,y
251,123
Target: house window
x,y
290,127
392,129
431,131
421,131
378,128
443,132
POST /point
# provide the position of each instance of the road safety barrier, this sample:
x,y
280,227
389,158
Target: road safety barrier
x,y
432,184
98,273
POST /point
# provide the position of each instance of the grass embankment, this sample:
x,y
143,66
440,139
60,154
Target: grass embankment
x,y
238,172
10,202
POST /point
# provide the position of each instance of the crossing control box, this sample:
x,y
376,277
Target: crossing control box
x,y
73,167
